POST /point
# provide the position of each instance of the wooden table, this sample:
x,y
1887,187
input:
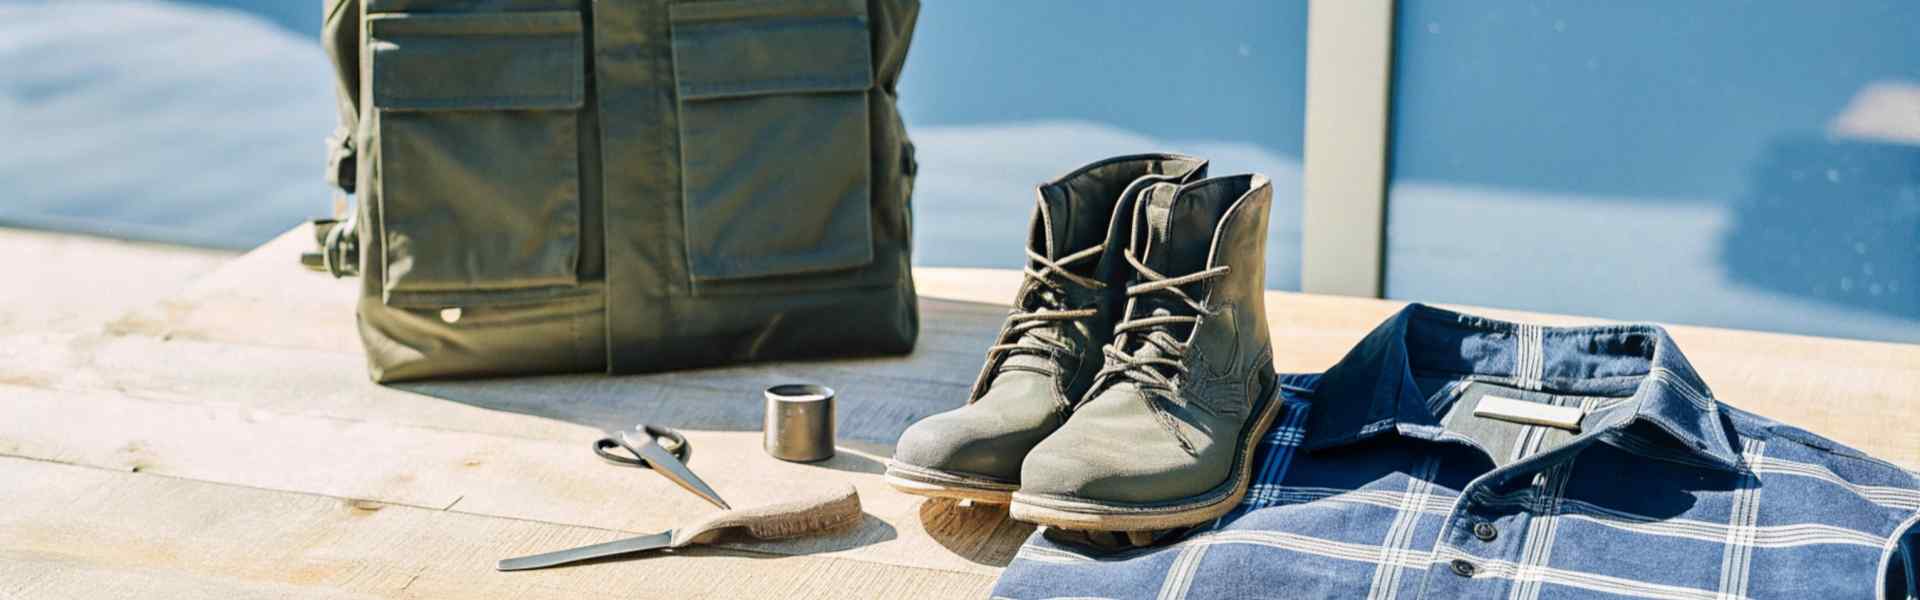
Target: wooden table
x,y
177,423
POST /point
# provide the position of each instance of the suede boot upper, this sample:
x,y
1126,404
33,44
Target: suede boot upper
x,y
1048,352
1168,418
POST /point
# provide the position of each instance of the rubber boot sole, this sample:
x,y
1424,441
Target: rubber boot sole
x,y
1066,512
932,483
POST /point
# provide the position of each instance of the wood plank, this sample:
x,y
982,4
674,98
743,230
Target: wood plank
x,y
62,282
74,532
160,360
548,480
46,576
264,297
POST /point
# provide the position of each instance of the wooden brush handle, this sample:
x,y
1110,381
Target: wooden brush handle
x,y
811,510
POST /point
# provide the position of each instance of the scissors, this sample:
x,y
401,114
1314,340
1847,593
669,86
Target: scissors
x,y
661,449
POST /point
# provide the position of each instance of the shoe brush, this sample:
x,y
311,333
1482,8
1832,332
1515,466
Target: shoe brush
x,y
808,511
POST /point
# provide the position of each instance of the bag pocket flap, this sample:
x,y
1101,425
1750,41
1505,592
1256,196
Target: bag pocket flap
x,y
495,61
755,47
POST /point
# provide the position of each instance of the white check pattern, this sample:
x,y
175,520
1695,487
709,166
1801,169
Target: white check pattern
x,y
1790,504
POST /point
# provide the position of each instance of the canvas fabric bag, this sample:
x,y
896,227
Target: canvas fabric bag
x,y
623,185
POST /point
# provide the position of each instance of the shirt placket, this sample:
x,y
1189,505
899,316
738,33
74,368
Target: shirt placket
x,y
1489,550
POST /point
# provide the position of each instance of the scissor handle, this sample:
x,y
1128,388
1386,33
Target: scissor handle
x,y
672,441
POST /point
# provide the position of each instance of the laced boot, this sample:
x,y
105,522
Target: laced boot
x,y
1048,352
1165,434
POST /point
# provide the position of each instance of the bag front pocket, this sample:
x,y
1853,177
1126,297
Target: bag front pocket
x,y
478,154
774,146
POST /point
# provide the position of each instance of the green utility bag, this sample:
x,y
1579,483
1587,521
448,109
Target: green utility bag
x,y
622,185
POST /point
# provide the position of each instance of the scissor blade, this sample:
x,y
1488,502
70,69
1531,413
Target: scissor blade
x,y
664,463
613,548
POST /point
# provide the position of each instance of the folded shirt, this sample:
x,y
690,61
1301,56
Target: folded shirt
x,y
1453,456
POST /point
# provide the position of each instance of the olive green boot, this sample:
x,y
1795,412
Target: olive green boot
x,y
1048,352
1166,433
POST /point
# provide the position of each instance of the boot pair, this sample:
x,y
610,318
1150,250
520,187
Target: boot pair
x,y
1130,383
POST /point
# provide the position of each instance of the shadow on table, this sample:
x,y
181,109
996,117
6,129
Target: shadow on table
x,y
982,533
877,398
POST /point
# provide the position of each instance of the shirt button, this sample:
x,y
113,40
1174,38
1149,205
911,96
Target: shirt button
x,y
1485,531
1463,568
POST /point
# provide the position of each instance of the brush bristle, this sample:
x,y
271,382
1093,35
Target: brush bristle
x,y
840,512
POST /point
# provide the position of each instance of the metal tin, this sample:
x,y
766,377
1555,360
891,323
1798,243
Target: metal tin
x,y
799,422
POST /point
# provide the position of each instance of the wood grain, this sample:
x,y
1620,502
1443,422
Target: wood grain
x,y
74,532
542,479
60,282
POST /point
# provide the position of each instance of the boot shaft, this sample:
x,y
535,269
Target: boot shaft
x,y
1183,231
1221,221
1092,206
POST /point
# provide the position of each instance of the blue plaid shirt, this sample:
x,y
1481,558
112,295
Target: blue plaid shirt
x,y
1363,490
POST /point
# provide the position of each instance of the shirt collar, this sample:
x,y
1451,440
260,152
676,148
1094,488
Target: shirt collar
x,y
1372,390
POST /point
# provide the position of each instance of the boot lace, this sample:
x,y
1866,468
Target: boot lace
x,y
1157,361
1035,330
